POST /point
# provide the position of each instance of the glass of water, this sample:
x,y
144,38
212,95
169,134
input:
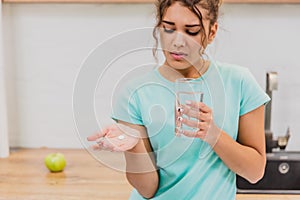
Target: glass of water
x,y
186,89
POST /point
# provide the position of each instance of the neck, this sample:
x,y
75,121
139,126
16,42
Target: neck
x,y
172,74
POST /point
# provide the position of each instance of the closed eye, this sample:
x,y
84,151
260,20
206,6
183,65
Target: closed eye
x,y
192,33
168,30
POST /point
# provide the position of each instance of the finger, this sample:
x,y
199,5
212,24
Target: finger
x,y
96,147
98,135
187,110
196,114
198,105
194,124
95,137
189,122
113,133
201,134
189,133
206,117
103,144
193,104
204,108
196,134
119,129
108,145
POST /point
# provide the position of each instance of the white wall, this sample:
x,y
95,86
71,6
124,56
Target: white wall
x,y
46,43
4,149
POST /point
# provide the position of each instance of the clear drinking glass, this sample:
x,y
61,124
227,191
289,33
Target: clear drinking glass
x,y
186,89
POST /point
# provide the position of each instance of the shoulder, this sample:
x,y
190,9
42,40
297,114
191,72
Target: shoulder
x,y
232,69
233,73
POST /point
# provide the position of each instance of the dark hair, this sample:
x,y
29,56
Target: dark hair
x,y
212,6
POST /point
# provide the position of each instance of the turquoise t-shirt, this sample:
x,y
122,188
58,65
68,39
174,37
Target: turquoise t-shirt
x,y
188,167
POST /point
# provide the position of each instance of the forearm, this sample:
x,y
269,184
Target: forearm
x,y
141,172
243,160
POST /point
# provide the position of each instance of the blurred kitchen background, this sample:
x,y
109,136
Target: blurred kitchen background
x,y
45,44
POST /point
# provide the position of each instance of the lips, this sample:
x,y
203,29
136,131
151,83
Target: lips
x,y
178,55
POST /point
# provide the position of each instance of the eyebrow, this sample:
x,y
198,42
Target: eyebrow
x,y
188,25
167,22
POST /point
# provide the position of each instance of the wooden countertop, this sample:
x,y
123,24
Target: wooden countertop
x,y
266,197
24,176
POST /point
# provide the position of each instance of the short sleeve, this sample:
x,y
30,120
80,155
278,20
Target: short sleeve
x,y
125,106
252,95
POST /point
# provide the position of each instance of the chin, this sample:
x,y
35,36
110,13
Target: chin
x,y
178,65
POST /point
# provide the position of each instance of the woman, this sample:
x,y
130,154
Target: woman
x,y
229,137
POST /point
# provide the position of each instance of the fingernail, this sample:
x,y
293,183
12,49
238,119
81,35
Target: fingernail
x,y
180,109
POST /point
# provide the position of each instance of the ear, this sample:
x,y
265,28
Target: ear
x,y
213,33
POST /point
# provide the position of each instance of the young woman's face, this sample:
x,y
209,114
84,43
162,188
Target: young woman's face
x,y
181,36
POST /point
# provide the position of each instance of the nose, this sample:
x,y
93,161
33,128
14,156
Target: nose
x,y
179,40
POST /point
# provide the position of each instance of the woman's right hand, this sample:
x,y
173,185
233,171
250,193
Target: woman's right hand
x,y
116,137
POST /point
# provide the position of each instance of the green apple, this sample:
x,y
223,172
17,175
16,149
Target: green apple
x,y
55,162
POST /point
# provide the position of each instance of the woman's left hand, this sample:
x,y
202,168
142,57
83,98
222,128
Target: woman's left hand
x,y
200,117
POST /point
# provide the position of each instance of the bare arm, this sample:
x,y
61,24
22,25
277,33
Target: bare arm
x,y
246,157
141,171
